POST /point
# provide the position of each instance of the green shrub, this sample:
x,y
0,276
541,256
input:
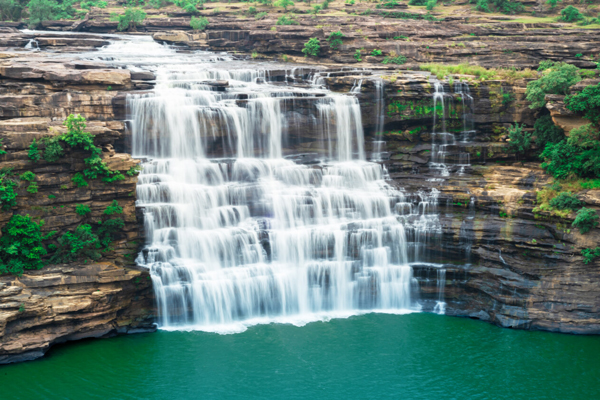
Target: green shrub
x,y
27,176
41,10
53,150
285,20
113,208
312,47
431,4
570,14
399,60
585,136
107,230
417,2
79,180
82,243
11,10
335,40
261,15
566,201
504,6
556,79
8,196
587,102
130,19
546,132
520,141
586,220
32,188
563,160
590,254
284,4
86,5
82,209
376,53
553,3
199,23
507,98
21,245
136,169
357,55
51,196
34,153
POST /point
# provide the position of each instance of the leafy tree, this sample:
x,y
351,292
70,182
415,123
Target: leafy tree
x,y
586,220
21,245
11,10
570,14
130,19
563,160
41,10
587,102
555,80
199,23
585,136
431,4
312,47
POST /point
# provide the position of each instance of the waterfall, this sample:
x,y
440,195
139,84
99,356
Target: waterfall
x,y
447,155
379,117
239,234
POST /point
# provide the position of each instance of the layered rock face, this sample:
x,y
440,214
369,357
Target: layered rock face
x,y
78,300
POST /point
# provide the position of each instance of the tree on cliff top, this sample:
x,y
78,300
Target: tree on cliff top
x,y
557,79
130,19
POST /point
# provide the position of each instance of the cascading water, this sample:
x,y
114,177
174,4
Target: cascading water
x,y
446,154
236,233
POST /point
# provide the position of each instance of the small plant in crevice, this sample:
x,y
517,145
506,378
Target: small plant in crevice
x,y
199,23
376,53
357,55
34,153
399,60
136,169
8,195
589,255
82,209
29,176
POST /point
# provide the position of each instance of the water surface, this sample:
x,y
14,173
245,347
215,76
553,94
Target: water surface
x,y
373,356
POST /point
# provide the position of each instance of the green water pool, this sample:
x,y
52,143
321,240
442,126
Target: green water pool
x,y
373,356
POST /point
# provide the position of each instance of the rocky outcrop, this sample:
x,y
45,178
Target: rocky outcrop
x,y
71,302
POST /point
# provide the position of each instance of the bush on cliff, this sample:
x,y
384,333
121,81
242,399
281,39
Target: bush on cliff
x,y
335,40
570,14
199,23
586,102
590,254
21,245
557,79
34,153
11,10
546,132
8,196
520,141
504,6
566,201
586,220
312,47
130,19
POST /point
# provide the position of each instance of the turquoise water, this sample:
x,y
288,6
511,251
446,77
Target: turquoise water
x,y
374,356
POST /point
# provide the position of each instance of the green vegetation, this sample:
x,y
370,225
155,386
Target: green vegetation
x,y
335,40
556,78
570,14
503,6
553,3
21,245
546,132
441,71
357,55
53,151
312,47
86,5
431,4
11,10
590,254
578,156
79,180
82,209
399,60
30,177
283,4
87,242
285,20
566,201
130,19
8,196
376,53
47,10
520,141
586,220
189,6
136,169
199,23
587,102
34,154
